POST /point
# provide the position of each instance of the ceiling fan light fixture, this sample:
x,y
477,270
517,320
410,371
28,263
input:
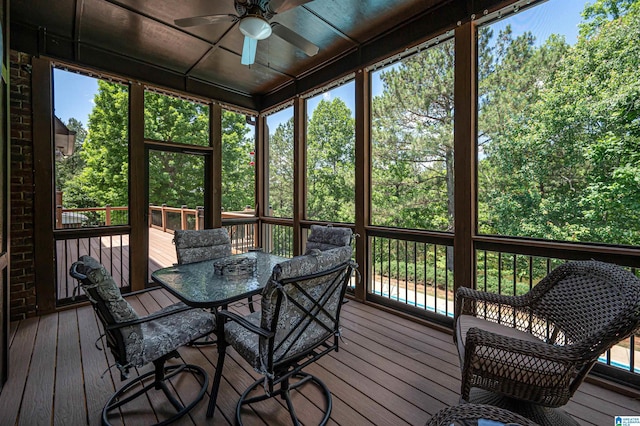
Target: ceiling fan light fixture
x,y
255,27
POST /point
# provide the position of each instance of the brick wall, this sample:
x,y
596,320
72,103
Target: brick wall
x,y
22,285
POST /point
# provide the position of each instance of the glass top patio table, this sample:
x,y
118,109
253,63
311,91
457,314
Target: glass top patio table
x,y
199,285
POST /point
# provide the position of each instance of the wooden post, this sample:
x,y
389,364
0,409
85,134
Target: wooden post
x,y
107,215
138,187
465,103
299,171
363,179
213,201
164,218
183,217
199,218
59,224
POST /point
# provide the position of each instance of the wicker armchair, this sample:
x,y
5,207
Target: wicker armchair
x,y
298,324
538,347
473,414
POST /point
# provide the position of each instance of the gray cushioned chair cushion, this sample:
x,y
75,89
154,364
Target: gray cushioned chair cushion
x,y
166,334
205,244
328,237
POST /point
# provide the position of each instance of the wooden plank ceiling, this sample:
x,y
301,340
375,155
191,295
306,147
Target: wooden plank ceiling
x,y
140,39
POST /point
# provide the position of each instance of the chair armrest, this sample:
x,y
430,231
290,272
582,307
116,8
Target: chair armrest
x,y
244,323
465,298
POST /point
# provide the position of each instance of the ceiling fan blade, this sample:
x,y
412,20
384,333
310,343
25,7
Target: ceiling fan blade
x,y
204,20
279,6
249,51
294,38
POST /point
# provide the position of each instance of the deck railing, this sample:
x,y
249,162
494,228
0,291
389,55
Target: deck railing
x,y
411,271
81,231
277,238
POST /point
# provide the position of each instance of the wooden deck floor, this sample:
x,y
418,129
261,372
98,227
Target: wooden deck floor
x,y
388,371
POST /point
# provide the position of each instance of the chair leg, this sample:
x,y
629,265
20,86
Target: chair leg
x,y
251,308
161,374
222,349
285,392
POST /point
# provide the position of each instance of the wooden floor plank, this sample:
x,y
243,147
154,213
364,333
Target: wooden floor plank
x,y
19,361
37,402
69,381
155,403
378,385
374,409
98,380
388,371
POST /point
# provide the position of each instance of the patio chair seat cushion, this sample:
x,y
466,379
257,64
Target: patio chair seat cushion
x,y
327,238
168,333
497,357
197,246
243,340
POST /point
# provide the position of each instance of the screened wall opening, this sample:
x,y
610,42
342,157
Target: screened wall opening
x,y
412,115
330,150
91,179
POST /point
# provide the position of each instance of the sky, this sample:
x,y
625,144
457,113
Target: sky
x,y
73,93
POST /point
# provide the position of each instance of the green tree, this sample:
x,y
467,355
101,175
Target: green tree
x,y
175,179
561,161
68,166
412,142
512,184
331,163
238,175
598,92
105,176
281,170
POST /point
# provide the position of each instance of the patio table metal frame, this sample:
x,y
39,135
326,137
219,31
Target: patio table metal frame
x,y
199,285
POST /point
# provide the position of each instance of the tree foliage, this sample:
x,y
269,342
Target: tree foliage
x,y
100,170
412,142
558,141
330,163
563,165
281,170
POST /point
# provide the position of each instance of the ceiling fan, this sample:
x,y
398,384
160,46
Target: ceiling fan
x,y
253,17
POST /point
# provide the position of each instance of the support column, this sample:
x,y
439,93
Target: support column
x,y
465,102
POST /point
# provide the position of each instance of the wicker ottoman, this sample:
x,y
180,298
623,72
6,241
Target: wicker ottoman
x,y
477,415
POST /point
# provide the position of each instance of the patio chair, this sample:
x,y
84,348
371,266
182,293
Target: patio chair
x,y
298,324
135,341
204,244
328,237
530,353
